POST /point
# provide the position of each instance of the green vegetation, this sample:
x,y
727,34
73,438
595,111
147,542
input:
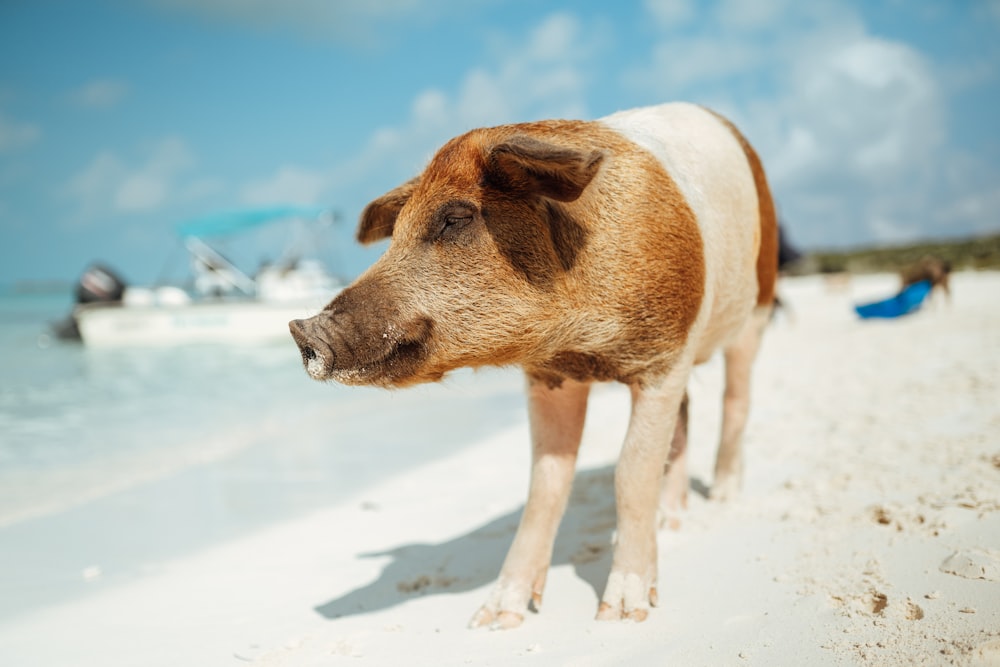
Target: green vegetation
x,y
969,254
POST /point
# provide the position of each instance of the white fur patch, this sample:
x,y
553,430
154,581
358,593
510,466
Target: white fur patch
x,y
710,168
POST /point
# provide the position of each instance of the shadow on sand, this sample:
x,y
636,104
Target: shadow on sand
x,y
474,559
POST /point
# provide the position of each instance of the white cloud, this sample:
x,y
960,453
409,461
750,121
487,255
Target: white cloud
x,y
543,75
671,13
685,62
109,185
863,118
15,134
853,128
200,189
752,15
289,185
149,186
94,185
540,78
100,94
537,76
871,105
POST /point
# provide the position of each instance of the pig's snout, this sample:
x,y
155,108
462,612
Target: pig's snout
x,y
317,355
357,346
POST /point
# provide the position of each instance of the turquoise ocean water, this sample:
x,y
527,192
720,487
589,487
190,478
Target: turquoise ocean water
x,y
96,417
112,461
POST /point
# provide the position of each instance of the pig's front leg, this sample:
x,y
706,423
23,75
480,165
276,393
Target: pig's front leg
x,y
556,417
631,587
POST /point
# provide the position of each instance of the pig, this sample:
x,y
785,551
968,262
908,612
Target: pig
x,y
624,249
930,268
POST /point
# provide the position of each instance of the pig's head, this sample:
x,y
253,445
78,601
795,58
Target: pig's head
x,y
479,245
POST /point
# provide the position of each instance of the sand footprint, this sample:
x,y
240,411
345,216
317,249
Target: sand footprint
x,y
973,564
985,655
914,612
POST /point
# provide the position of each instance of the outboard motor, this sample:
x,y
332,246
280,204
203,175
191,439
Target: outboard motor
x,y
98,284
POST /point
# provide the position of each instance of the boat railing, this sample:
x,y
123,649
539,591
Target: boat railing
x,y
210,263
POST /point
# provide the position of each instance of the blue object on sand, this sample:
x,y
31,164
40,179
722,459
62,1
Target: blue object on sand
x,y
907,301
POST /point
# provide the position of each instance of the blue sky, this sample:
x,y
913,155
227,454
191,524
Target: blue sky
x,y
876,120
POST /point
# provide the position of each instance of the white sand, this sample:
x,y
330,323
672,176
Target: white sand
x,y
868,531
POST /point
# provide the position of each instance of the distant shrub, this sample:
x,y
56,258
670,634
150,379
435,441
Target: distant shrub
x,y
975,254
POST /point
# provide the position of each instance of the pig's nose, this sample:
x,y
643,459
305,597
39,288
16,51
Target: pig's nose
x,y
298,329
314,351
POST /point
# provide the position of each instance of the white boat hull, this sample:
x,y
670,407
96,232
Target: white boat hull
x,y
230,322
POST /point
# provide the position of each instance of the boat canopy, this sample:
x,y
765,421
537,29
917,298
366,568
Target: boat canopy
x,y
229,222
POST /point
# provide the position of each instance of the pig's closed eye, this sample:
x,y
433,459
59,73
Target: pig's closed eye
x,y
457,220
452,219
453,226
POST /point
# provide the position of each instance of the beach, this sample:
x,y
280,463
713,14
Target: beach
x,y
365,527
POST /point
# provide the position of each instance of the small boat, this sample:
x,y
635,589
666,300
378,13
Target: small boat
x,y
224,305
909,300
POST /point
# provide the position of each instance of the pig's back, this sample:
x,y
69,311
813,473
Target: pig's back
x,y
708,163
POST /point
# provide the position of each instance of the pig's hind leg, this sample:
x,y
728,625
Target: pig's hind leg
x,y
674,486
556,416
739,357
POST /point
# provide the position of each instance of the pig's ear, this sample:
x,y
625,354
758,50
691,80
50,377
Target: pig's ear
x,y
379,217
527,164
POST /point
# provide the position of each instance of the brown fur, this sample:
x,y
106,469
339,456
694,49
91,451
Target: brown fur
x,y
930,268
767,256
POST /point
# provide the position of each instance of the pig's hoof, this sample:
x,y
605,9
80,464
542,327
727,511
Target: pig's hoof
x,y
670,519
608,613
508,601
481,618
627,598
496,620
673,502
507,620
725,488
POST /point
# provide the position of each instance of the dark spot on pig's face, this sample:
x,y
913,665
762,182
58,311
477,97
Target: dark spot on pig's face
x,y
538,239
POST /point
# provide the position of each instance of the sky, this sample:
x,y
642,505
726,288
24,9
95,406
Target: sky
x,y
876,120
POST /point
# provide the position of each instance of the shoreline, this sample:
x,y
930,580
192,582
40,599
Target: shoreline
x,y
170,503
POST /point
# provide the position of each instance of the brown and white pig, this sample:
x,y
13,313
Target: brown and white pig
x,y
629,249
932,269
